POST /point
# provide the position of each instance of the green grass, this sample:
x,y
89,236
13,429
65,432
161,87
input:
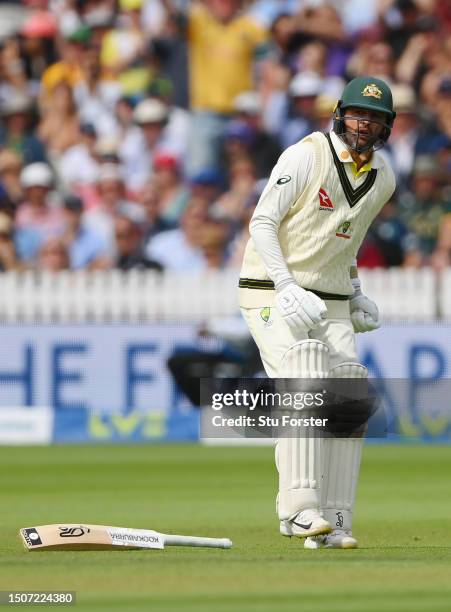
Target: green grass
x,y
403,522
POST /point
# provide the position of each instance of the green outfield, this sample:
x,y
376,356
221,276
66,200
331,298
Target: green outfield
x,y
403,523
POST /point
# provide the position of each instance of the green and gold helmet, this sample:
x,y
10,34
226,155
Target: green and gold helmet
x,y
369,93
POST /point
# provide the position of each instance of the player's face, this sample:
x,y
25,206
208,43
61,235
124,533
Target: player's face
x,y
363,125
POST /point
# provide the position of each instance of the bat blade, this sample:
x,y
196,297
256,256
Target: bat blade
x,y
75,536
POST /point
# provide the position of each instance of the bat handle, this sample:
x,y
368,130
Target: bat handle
x,y
179,540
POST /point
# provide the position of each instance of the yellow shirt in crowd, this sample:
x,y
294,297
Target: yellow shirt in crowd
x,y
221,58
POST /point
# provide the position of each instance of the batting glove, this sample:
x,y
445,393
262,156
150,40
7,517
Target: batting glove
x,y
300,308
364,312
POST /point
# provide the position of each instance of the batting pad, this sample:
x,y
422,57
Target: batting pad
x,y
341,465
298,455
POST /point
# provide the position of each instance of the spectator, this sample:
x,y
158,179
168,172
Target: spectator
x,y
401,25
370,254
112,201
16,133
123,115
68,69
8,256
181,249
173,195
10,169
96,95
213,239
238,139
323,112
123,132
124,50
241,238
274,70
405,135
128,237
313,59
38,216
423,209
59,125
218,72
100,19
299,119
229,206
85,246
13,79
391,236
149,200
379,61
157,130
356,15
77,165
106,150
171,54
38,45
53,256
274,13
7,206
207,185
322,21
263,148
422,51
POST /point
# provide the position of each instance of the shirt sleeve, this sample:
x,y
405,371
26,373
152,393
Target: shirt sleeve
x,y
256,33
290,176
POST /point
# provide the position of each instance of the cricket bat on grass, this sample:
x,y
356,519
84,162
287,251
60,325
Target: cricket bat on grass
x,y
68,536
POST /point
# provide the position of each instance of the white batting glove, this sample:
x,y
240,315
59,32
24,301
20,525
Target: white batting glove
x,y
300,308
364,312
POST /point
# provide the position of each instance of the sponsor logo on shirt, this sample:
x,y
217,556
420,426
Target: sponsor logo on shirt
x,y
286,178
325,203
344,230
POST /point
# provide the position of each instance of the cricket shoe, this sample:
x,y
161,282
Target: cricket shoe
x,y
337,539
304,524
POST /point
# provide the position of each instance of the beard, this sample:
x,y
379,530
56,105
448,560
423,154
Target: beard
x,y
362,141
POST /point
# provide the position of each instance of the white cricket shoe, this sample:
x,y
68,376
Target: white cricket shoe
x,y
337,539
304,524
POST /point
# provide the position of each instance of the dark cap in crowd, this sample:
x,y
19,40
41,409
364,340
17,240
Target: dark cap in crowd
x,y
445,86
241,131
73,202
88,129
208,178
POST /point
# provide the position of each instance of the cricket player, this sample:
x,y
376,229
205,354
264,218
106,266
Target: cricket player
x,y
301,297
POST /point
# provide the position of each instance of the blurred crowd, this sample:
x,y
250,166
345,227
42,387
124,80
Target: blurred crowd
x,y
139,133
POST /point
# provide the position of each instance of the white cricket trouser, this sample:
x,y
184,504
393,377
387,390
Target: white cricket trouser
x,y
273,336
